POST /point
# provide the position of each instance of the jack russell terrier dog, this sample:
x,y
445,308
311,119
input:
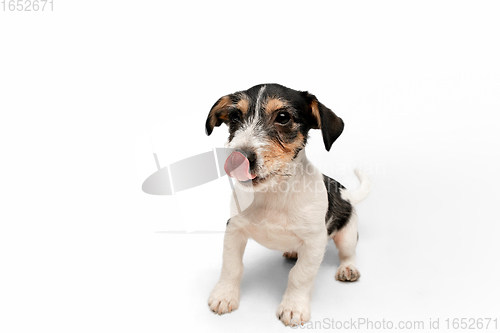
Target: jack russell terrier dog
x,y
295,208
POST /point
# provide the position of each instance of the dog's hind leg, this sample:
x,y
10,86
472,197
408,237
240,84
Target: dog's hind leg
x,y
346,240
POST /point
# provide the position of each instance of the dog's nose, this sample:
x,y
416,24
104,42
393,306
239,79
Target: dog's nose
x,y
250,155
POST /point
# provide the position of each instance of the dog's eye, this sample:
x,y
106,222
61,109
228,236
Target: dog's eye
x,y
283,118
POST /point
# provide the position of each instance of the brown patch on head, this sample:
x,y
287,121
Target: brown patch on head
x,y
315,113
291,148
273,104
243,104
278,155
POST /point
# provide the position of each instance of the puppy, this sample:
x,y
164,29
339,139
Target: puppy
x,y
295,208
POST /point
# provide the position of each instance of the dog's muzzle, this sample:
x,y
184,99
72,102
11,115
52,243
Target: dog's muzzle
x,y
238,165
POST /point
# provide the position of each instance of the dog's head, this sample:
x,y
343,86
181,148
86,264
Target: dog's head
x,y
268,127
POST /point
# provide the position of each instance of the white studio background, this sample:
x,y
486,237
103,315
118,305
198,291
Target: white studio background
x,y
90,90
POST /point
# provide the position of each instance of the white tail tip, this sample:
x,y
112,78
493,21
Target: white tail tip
x,y
360,194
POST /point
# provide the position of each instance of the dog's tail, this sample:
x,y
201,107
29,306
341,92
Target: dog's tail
x,y
360,194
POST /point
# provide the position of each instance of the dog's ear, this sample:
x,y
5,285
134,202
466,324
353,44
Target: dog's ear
x,y
218,114
330,124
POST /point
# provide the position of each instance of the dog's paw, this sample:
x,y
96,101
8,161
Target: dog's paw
x,y
224,299
347,273
293,313
290,255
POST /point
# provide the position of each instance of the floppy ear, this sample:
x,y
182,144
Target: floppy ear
x,y
331,126
218,114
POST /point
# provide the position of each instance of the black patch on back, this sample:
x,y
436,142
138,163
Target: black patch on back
x,y
339,210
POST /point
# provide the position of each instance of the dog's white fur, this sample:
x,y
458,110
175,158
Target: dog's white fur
x,y
288,221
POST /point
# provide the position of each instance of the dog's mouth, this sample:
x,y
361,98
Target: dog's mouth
x,y
237,166
263,180
253,182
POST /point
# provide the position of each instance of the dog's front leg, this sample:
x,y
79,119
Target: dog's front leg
x,y
225,296
295,308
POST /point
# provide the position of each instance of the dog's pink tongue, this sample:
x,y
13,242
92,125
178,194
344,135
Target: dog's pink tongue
x,y
237,166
